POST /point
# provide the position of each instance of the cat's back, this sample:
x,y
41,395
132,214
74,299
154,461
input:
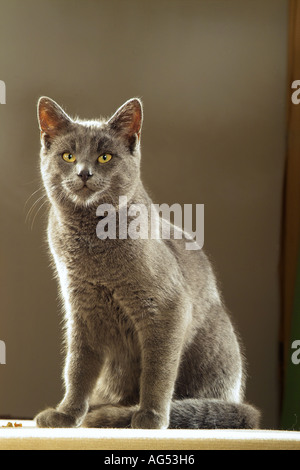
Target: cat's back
x,y
193,261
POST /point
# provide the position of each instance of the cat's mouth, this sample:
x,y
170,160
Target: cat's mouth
x,y
83,192
84,195
85,189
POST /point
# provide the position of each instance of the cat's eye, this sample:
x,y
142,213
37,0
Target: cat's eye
x,y
69,157
104,158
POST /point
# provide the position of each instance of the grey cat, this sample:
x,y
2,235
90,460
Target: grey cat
x,y
149,342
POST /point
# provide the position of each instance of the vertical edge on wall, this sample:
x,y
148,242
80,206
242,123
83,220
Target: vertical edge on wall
x,y
291,197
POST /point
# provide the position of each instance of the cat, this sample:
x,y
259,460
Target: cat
x,y
149,343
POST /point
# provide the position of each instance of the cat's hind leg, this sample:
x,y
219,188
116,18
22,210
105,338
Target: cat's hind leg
x,y
109,416
185,414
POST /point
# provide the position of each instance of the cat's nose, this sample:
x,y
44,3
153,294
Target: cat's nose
x,y
85,175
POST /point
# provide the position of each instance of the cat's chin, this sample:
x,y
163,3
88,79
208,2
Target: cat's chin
x,y
85,197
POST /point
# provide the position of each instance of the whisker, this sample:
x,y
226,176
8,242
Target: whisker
x,y
39,189
29,213
42,205
37,179
35,204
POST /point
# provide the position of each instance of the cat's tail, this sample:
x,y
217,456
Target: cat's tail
x,y
212,414
185,414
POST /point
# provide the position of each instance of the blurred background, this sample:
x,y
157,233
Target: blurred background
x,y
212,75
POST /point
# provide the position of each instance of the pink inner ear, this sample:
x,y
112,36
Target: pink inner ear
x,y
48,122
136,122
51,120
128,119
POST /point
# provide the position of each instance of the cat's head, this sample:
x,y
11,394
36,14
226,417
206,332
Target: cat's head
x,y
88,162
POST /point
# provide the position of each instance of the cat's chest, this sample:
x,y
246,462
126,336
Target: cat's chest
x,y
107,322
77,248
95,306
82,255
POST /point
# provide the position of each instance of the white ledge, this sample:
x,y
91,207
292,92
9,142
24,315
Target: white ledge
x,y
29,437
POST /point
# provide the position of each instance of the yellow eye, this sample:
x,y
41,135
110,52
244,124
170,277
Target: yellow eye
x,y
104,158
68,157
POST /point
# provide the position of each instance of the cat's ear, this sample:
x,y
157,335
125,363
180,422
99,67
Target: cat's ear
x,y
127,121
52,118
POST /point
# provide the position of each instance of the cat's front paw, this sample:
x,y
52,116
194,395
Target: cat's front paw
x,y
52,418
149,419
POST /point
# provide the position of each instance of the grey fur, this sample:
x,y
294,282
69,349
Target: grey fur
x,y
149,343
